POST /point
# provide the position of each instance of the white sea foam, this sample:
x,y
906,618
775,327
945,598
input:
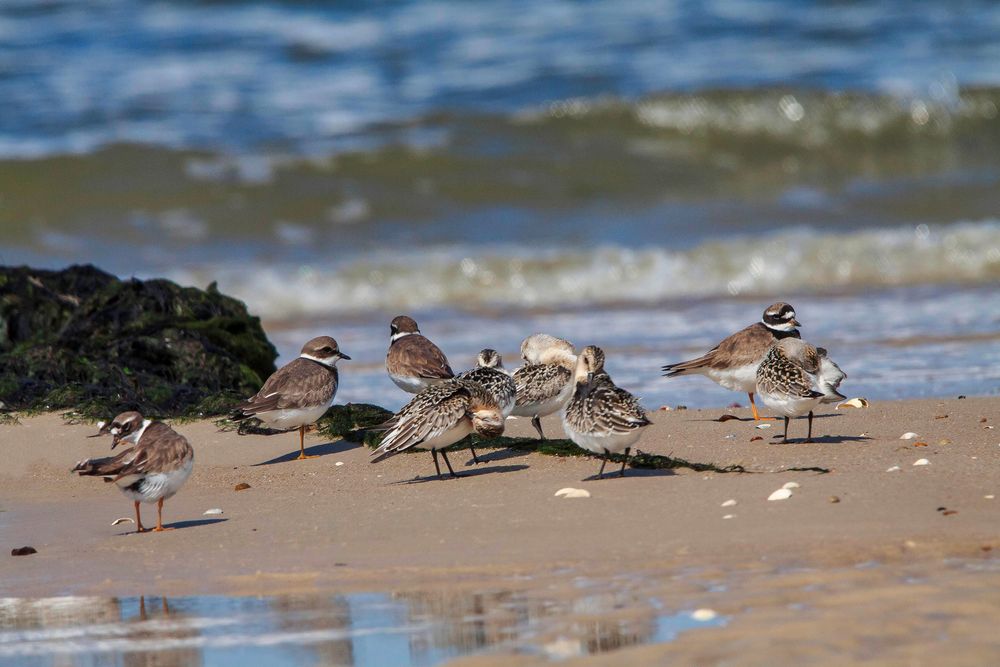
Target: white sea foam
x,y
783,262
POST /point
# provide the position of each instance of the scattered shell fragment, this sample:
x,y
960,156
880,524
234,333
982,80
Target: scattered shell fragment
x,y
703,614
893,469
242,486
944,441
920,444
834,499
940,416
762,426
756,438
909,435
23,551
570,492
212,512
729,503
949,512
921,462
780,494
339,463
790,485
728,516
853,403
989,497
123,519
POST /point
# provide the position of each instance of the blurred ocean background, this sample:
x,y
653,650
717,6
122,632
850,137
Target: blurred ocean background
x,y
646,176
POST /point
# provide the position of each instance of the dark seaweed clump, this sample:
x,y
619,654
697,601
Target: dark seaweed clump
x,y
83,340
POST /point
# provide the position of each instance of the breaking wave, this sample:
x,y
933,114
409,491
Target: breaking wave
x,y
790,261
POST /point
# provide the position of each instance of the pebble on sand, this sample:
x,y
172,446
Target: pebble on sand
x,y
909,435
780,494
703,614
242,486
762,426
921,462
23,551
339,463
570,492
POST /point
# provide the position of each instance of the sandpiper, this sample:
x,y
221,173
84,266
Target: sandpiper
x,y
787,377
545,382
490,373
413,361
300,392
733,362
602,417
152,470
440,416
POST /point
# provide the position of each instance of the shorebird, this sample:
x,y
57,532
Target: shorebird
x,y
787,377
490,373
152,470
413,361
733,362
545,382
602,417
440,416
300,392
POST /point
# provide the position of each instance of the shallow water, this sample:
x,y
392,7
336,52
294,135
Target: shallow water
x,y
363,629
926,609
646,176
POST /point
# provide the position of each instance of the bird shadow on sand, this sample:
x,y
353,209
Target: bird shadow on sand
x,y
498,455
324,449
823,439
733,418
476,472
630,472
178,525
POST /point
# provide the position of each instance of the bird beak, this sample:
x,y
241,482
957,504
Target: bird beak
x,y
341,355
115,441
796,322
590,380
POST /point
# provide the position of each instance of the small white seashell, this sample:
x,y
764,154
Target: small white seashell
x,y
921,462
853,403
909,435
729,503
124,519
989,497
780,494
893,469
762,426
570,492
212,512
790,485
339,463
728,516
703,614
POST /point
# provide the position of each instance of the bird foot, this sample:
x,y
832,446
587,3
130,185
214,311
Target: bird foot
x,y
303,457
160,529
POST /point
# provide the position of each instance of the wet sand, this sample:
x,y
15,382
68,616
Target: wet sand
x,y
805,567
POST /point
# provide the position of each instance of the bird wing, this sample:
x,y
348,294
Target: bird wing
x,y
300,382
430,413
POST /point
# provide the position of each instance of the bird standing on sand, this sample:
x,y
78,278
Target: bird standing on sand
x,y
733,362
602,417
152,470
545,382
489,372
440,416
300,392
413,361
786,377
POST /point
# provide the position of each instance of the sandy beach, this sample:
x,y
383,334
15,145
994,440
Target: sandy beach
x,y
858,542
